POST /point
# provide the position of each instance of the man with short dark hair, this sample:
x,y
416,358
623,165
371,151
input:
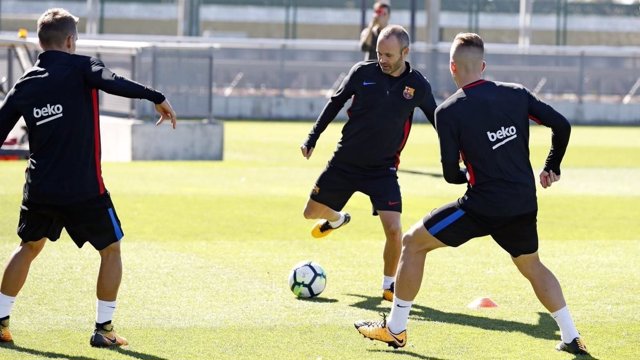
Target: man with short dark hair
x,y
486,123
384,96
369,35
58,98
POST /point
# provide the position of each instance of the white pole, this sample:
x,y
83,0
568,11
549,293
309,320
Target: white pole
x,y
526,9
93,9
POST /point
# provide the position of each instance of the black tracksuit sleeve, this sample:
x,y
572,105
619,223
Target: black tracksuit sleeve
x,y
9,116
449,149
104,79
428,106
332,108
544,114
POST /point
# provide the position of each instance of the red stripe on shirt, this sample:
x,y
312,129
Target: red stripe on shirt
x,y
475,83
96,139
405,137
535,119
472,175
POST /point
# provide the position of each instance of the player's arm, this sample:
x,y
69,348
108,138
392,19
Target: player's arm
x,y
9,116
449,150
366,38
330,111
428,105
104,79
544,114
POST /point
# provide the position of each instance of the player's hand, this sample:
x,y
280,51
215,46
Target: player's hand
x,y
548,178
306,152
166,112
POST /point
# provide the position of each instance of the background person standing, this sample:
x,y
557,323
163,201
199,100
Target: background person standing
x,y
369,35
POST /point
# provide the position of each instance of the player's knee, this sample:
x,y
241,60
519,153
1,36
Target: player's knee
x,y
309,214
529,267
394,233
32,248
111,251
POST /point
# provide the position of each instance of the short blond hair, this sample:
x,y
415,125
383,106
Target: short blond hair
x,y
468,41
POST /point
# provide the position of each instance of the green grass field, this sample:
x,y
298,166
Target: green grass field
x,y
209,245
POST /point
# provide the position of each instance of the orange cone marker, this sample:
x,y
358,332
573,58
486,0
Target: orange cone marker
x,y
483,302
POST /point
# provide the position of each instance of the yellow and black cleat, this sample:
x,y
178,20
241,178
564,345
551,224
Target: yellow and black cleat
x,y
576,347
5,333
322,228
387,294
105,336
378,330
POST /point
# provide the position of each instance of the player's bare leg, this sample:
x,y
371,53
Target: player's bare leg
x,y
548,290
110,274
392,227
315,210
17,270
15,275
109,278
416,243
544,283
329,218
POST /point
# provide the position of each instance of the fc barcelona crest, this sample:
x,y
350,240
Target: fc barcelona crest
x,y
408,92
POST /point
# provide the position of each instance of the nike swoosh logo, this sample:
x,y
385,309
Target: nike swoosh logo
x,y
399,341
400,306
365,83
392,203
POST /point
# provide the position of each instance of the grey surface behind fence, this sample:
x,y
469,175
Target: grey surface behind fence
x,y
291,79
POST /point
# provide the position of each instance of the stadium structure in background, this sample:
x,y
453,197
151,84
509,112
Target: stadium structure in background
x,y
280,59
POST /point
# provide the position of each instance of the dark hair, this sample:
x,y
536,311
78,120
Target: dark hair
x,y
399,32
382,5
54,26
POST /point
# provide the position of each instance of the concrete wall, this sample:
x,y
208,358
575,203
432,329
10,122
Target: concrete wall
x,y
128,140
247,107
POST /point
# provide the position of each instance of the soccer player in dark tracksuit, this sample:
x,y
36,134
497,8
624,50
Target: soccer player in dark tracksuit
x,y
385,95
486,124
58,99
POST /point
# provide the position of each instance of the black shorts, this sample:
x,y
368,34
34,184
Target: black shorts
x,y
335,186
94,221
518,235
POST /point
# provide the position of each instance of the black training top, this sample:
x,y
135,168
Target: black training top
x,y
487,124
58,98
380,115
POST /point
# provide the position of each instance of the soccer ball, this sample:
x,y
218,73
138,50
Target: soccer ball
x,y
307,279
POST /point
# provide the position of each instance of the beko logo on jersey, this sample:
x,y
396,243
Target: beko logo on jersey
x,y
52,111
507,134
47,110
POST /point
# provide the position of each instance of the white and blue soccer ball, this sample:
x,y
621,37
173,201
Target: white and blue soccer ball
x,y
307,279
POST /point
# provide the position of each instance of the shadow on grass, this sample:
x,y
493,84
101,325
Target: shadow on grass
x,y
545,328
44,354
418,172
407,353
318,300
137,355
54,355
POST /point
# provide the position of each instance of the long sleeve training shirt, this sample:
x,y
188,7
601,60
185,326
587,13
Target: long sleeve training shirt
x,y
487,124
58,98
379,118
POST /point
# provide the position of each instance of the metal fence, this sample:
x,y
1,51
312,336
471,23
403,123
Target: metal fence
x,y
260,78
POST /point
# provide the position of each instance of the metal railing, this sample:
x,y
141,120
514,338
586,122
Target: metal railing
x,y
204,78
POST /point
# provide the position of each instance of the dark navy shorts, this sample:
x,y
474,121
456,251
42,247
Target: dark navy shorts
x,y
94,221
453,226
335,186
